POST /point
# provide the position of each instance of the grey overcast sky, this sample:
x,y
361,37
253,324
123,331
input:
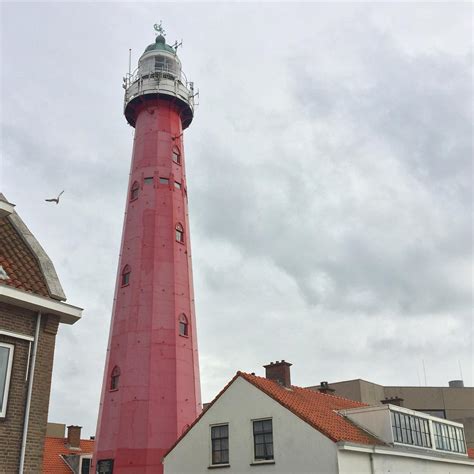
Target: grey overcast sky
x,y
330,181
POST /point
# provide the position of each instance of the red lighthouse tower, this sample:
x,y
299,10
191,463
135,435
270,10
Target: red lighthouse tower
x,y
151,389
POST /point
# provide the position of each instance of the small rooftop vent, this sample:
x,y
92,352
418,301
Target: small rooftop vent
x,y
325,388
456,384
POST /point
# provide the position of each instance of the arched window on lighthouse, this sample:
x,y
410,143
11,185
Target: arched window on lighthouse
x,y
114,378
126,275
176,155
183,325
179,233
134,191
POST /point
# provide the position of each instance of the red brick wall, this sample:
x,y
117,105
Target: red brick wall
x,y
11,427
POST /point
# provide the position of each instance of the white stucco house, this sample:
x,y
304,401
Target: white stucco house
x,y
266,425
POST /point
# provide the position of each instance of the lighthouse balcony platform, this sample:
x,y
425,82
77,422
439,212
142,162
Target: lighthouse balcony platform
x,y
163,84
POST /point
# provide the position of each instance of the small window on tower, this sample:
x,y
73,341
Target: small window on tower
x,y
148,180
105,466
179,233
126,275
177,185
134,191
176,155
114,378
164,180
183,325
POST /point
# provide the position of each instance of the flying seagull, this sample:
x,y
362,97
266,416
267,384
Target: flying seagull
x,y
56,200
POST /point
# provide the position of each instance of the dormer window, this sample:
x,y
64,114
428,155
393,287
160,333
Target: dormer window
x,y
183,325
410,429
176,155
126,275
179,233
134,191
114,378
449,438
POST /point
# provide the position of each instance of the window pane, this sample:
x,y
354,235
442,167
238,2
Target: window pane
x,y
164,180
4,355
85,466
267,425
257,426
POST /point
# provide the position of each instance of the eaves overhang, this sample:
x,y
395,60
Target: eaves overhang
x,y
6,208
68,314
418,453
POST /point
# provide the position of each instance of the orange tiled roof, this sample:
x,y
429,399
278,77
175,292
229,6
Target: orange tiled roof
x,y
318,409
18,261
54,447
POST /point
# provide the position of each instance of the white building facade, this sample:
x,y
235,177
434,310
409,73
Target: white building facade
x,y
256,425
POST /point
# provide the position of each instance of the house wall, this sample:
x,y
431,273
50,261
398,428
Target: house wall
x,y
351,462
11,427
298,447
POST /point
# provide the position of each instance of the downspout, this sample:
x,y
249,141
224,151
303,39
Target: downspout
x,y
372,465
28,396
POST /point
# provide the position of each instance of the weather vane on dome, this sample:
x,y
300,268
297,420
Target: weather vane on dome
x,y
159,29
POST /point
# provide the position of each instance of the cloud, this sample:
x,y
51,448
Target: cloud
x,y
329,174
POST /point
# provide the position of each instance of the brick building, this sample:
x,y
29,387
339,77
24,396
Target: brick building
x,y
31,308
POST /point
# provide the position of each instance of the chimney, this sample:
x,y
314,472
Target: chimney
x,y
325,388
456,384
393,401
279,372
74,436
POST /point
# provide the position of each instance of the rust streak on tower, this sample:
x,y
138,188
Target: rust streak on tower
x,y
151,389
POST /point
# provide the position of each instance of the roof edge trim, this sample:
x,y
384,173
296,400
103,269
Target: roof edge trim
x,y
394,451
67,313
46,265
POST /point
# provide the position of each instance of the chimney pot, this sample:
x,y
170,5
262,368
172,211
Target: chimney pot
x,y
74,436
325,388
279,372
393,400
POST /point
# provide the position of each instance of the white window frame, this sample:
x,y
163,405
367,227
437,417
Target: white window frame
x,y
85,456
3,408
